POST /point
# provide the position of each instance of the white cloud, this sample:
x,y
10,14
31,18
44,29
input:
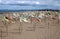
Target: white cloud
x,y
56,3
40,2
0,1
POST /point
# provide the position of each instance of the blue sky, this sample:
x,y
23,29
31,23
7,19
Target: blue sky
x,y
47,4
40,2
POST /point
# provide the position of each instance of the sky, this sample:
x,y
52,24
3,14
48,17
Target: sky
x,y
51,2
48,4
39,2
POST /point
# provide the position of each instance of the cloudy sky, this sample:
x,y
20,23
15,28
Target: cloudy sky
x,y
51,2
55,4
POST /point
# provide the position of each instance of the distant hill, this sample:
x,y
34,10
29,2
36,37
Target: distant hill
x,y
28,10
